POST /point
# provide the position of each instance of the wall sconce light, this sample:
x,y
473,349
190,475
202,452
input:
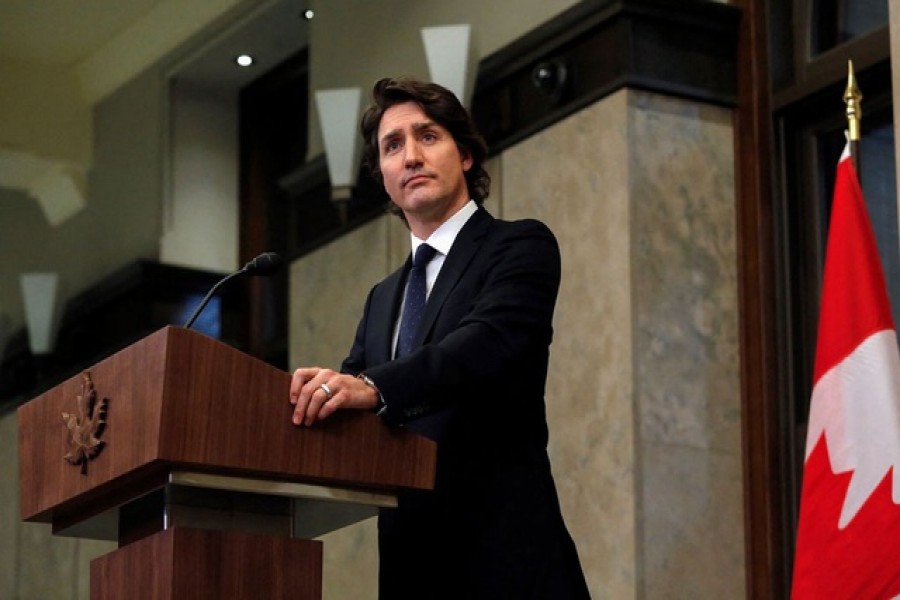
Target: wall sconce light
x,y
447,52
39,294
339,113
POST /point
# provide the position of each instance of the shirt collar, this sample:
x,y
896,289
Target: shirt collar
x,y
443,237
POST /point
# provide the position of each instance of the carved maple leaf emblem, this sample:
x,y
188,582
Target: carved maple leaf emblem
x,y
85,425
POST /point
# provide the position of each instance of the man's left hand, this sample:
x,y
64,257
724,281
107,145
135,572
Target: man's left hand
x,y
316,393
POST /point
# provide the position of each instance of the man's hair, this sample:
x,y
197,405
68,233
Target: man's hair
x,y
441,106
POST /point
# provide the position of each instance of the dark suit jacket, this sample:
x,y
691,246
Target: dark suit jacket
x,y
492,527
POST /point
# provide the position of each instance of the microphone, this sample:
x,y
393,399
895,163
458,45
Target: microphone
x,y
263,265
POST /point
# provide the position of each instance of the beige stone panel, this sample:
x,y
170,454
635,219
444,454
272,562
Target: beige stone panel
x,y
350,566
693,520
684,276
574,177
47,564
398,243
685,272
328,289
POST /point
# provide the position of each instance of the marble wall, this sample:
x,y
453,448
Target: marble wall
x,y
643,395
687,380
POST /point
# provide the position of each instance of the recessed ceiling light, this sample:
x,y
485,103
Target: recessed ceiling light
x,y
308,14
244,60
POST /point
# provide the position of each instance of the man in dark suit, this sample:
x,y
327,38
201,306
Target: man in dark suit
x,y
467,368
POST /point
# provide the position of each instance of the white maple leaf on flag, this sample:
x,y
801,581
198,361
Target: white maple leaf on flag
x,y
855,405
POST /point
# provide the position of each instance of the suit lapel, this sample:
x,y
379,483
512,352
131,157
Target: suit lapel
x,y
386,310
464,248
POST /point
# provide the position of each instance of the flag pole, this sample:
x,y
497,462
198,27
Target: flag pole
x,y
853,99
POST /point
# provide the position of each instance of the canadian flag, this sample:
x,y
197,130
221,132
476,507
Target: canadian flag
x,y
848,539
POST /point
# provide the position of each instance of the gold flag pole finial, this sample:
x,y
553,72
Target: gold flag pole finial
x,y
853,99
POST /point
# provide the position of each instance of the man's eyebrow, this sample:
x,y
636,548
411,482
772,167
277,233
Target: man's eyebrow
x,y
390,134
417,127
422,125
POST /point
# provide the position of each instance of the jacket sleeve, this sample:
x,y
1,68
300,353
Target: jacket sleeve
x,y
355,363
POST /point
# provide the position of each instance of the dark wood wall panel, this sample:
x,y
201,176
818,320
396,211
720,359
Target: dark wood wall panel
x,y
686,49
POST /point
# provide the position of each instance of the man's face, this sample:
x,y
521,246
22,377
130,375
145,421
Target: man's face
x,y
422,167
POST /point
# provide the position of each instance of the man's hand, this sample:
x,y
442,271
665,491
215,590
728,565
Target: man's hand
x,y
317,392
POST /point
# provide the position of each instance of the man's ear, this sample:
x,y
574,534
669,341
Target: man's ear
x,y
467,160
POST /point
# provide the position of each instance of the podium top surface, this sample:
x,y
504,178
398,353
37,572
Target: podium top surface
x,y
179,399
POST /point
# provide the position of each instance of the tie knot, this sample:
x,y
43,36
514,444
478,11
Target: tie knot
x,y
424,254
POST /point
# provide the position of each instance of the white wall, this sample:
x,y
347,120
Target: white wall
x,y
121,221
200,216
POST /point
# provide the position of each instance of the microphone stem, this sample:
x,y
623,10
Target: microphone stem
x,y
209,295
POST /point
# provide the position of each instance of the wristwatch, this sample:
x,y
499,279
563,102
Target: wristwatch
x,y
381,407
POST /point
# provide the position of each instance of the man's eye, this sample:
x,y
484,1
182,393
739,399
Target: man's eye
x,y
391,146
429,137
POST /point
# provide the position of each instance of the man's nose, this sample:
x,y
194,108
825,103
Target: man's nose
x,y
413,156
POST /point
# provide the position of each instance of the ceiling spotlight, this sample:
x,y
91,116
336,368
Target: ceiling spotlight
x,y
308,14
244,60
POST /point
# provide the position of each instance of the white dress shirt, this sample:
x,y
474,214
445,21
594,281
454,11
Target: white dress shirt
x,y
441,240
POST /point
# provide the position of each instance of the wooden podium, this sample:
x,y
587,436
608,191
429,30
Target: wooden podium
x,y
200,475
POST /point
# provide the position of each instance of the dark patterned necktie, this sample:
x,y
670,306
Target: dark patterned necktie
x,y
414,304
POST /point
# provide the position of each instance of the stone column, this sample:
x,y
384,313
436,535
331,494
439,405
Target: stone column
x,y
644,392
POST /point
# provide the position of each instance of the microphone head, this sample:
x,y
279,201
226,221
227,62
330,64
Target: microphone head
x,y
265,264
